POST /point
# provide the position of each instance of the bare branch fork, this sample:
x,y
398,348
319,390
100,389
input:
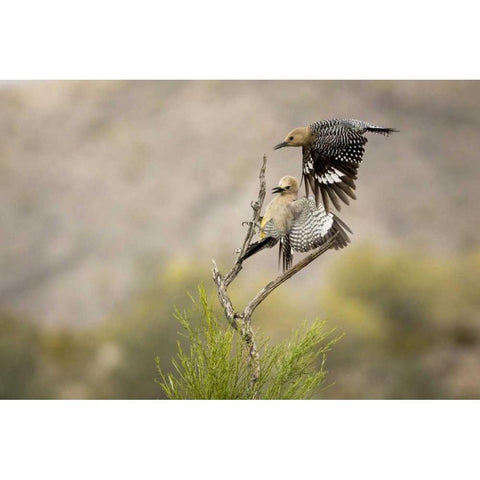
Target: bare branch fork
x,y
242,322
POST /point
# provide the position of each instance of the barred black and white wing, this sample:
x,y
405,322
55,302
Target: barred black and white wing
x,y
330,164
307,228
313,226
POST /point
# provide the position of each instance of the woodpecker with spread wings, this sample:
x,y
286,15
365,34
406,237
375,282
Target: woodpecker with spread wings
x,y
332,152
297,224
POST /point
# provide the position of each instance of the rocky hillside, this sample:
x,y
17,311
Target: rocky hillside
x,y
100,179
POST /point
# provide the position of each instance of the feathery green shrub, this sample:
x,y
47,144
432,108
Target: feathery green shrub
x,y
211,362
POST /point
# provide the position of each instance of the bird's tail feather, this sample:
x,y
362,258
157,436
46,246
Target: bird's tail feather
x,y
255,247
285,253
381,130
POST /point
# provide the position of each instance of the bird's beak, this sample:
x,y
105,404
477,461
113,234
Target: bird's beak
x,y
280,145
277,190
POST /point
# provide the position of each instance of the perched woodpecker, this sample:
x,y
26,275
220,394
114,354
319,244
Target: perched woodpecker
x,y
332,151
297,224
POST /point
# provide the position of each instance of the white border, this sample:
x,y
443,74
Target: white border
x,y
245,40
235,439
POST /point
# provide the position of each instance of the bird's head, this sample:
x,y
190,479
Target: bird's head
x,y
286,185
298,137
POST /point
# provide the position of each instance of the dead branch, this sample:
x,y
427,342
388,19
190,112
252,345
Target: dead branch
x,y
242,322
270,287
257,209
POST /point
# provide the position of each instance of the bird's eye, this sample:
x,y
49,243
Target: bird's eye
x,y
287,187
291,138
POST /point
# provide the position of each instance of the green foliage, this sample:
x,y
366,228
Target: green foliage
x,y
402,298
144,329
20,360
411,319
412,323
299,364
214,364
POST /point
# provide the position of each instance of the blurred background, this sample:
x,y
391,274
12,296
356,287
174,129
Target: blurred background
x,y
115,196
